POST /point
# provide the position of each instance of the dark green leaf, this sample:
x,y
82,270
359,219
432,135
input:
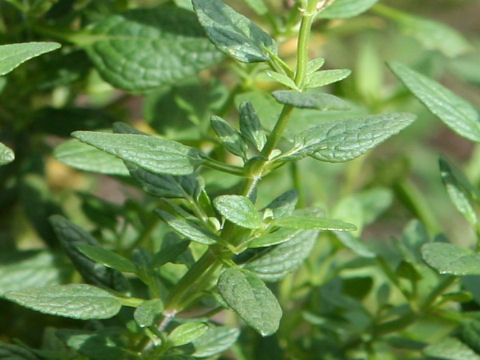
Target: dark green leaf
x,y
310,99
6,155
13,55
186,333
250,126
214,341
146,314
245,293
343,9
229,137
14,352
450,349
107,258
284,205
232,32
169,253
239,210
451,259
172,44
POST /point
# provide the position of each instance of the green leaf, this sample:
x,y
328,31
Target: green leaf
x,y
85,157
326,77
13,55
355,244
250,298
314,65
239,210
311,222
107,258
281,79
258,6
169,253
450,349
432,34
310,99
188,229
346,139
250,126
233,33
77,301
146,314
6,155
278,262
215,341
14,352
455,112
284,205
172,44
186,333
274,238
149,152
344,9
229,137
460,190
451,259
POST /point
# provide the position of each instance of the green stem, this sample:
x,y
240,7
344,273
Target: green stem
x,y
220,166
302,49
277,131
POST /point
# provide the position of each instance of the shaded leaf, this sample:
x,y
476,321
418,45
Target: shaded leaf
x,y
146,314
250,126
258,6
14,352
107,258
214,341
312,222
239,210
13,55
283,205
229,137
310,99
353,243
274,238
6,155
344,9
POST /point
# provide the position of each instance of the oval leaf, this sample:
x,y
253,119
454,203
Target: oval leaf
x,y
186,333
107,258
146,314
239,210
451,259
13,55
214,341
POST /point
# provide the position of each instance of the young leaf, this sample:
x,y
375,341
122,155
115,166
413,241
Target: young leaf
x,y
311,222
229,137
250,126
107,258
258,6
344,9
247,295
6,155
450,349
87,158
147,312
13,55
451,259
346,139
77,301
233,33
172,43
326,77
310,99
188,229
149,152
215,341
239,210
282,79
314,65
186,333
455,112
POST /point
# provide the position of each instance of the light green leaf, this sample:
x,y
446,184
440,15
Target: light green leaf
x,y
149,152
374,202
344,9
355,244
281,79
250,298
460,190
77,301
188,229
312,222
6,155
274,238
146,314
239,210
13,55
186,4
326,77
232,32
314,65
215,341
455,112
85,157
310,99
107,258
229,137
346,139
186,333
250,126
450,349
258,6
451,259
172,43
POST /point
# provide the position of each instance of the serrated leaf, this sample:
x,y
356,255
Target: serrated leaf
x,y
344,9
149,152
278,262
186,333
188,229
6,155
283,205
346,139
13,55
250,126
311,222
215,341
88,158
274,238
172,43
460,190
455,112
107,258
233,33
310,99
146,314
229,137
250,298
450,349
451,259
76,301
258,6
326,77
239,210
281,79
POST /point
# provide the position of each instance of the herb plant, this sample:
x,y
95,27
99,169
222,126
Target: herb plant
x,y
249,192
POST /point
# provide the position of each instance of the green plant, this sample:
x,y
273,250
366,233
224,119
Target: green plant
x,y
232,240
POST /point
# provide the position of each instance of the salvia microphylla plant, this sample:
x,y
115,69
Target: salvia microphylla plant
x,y
226,254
